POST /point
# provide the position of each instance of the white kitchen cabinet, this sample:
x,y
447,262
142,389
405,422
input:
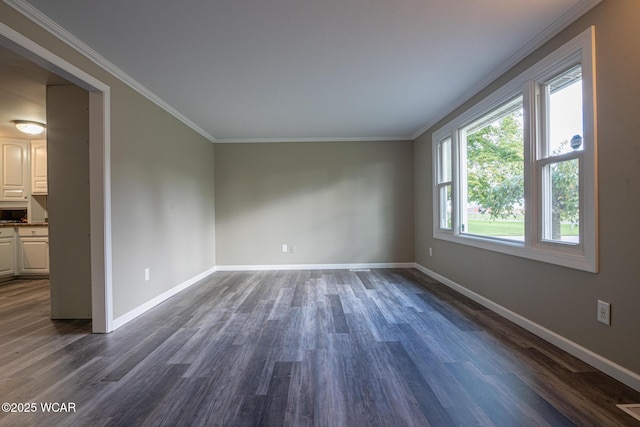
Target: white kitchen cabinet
x,y
34,250
15,165
7,252
35,256
39,167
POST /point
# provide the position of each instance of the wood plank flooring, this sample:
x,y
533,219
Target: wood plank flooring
x,y
389,347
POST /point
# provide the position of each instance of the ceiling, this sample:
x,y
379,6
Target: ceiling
x,y
260,70
23,86
22,93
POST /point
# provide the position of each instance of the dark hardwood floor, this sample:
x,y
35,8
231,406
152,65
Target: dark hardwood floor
x,y
388,347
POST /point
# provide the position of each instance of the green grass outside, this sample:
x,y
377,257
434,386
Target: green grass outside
x,y
508,228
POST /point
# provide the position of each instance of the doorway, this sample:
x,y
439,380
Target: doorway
x,y
99,166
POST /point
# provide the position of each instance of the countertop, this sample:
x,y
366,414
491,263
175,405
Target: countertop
x,y
24,224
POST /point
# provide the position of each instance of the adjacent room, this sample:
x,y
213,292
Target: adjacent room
x,y
319,213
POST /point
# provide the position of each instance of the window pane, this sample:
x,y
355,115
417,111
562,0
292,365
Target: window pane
x,y
444,153
494,184
565,112
445,207
562,201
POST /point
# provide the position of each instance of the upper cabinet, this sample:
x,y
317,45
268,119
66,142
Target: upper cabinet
x,y
39,167
15,170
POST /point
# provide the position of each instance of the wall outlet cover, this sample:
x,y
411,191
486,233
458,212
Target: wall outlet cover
x,y
604,312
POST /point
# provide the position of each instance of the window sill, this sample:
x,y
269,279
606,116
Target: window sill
x,y
565,255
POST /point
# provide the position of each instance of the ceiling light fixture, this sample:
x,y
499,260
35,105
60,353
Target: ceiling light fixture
x,y
32,128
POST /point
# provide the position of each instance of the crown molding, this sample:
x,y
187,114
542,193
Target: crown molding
x,y
62,34
547,34
332,139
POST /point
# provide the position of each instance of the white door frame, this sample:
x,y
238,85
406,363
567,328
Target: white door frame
x,y
99,168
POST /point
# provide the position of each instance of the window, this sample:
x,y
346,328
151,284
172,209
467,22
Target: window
x,y
444,183
516,173
492,174
560,148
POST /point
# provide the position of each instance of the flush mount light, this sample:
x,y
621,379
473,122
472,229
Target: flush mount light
x,y
26,126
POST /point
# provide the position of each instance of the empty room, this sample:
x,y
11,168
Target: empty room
x,y
296,213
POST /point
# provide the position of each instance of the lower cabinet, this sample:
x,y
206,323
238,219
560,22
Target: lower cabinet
x,y
34,255
33,250
7,253
24,250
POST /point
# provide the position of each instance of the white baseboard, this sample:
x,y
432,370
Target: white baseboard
x,y
314,266
127,317
601,363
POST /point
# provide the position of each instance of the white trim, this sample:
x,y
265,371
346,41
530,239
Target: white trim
x,y
601,363
59,32
314,266
100,211
560,24
276,140
31,48
632,409
138,311
99,169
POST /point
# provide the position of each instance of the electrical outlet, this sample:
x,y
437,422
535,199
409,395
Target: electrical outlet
x,y
146,274
604,312
285,248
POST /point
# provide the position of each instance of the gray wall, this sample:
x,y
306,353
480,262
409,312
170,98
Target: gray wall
x,y
163,201
336,202
560,299
162,186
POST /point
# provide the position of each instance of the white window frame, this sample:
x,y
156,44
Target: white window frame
x,y
583,255
442,183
